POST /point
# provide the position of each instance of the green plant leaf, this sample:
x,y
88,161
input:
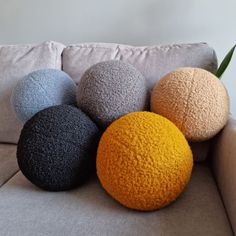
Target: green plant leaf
x,y
224,64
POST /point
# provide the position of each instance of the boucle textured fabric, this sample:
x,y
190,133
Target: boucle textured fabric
x,y
111,89
57,148
16,61
144,161
152,61
42,89
195,100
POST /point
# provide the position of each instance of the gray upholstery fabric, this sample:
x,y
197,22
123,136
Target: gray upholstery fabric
x,y
152,61
8,163
26,211
224,164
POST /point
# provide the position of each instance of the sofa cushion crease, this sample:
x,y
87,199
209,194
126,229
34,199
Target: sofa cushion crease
x,y
8,163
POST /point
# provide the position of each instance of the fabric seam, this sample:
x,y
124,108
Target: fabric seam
x,y
10,177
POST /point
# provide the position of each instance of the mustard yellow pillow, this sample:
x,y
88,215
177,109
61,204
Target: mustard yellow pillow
x,y
144,161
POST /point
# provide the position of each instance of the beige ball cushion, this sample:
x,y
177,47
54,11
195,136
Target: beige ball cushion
x,y
195,100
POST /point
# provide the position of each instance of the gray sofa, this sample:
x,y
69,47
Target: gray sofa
x,y
208,204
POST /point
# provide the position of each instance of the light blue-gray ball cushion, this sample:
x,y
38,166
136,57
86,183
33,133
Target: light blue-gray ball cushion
x,y
42,89
111,89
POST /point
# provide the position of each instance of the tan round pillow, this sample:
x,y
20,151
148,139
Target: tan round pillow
x,y
195,100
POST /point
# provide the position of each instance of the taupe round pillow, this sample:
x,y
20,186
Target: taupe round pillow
x,y
111,89
195,100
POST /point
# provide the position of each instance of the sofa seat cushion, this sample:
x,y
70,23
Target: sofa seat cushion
x,y
88,210
8,163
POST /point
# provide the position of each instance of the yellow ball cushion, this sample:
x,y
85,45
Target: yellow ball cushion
x,y
195,100
144,161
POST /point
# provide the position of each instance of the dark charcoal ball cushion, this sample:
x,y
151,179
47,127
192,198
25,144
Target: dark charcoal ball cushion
x,y
111,89
57,148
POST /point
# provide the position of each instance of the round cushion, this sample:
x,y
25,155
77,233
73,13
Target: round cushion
x,y
110,89
144,161
41,89
195,100
57,148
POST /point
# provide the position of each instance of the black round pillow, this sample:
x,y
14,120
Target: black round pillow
x,y
57,148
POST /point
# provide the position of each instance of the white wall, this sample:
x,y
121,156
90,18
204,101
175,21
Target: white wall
x,y
137,22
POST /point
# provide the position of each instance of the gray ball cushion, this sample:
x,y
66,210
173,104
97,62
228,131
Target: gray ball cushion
x,y
41,89
111,89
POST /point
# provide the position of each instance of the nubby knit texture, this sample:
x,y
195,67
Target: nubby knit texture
x,y
57,148
195,100
41,89
144,161
111,89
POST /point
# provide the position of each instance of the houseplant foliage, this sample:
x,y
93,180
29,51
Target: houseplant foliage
x,y
224,64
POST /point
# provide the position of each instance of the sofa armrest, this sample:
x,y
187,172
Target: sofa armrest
x,y
224,167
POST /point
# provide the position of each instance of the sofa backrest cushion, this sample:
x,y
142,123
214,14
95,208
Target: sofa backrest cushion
x,y
152,61
16,61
